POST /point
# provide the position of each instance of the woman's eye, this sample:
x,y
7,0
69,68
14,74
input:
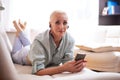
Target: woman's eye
x,y
65,23
57,22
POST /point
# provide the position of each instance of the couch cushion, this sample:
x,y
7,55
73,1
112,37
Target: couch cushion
x,y
6,38
34,77
23,69
6,64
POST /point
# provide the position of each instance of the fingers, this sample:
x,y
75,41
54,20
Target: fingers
x,y
79,65
74,66
78,62
80,68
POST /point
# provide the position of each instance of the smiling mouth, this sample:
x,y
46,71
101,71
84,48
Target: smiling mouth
x,y
61,31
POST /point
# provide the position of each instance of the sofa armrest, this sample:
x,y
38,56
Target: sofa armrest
x,y
7,69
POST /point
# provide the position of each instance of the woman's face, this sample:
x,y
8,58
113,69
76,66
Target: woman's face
x,y
59,24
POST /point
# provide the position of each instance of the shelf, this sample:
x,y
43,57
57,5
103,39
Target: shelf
x,y
107,20
113,15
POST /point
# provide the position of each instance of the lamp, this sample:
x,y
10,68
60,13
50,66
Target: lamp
x,y
1,7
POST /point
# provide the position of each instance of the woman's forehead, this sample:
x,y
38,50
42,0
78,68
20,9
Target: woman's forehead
x,y
58,16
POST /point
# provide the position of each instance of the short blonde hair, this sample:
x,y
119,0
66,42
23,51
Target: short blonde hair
x,y
54,13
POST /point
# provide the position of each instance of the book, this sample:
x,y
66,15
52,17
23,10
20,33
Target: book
x,y
95,48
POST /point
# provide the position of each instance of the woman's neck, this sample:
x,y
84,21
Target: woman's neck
x,y
56,39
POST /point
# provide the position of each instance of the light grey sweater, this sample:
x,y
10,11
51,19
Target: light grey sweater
x,y
43,52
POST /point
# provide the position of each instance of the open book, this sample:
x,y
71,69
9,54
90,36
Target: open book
x,y
96,48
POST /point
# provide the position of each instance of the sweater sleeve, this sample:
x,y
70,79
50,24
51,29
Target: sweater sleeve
x,y
37,56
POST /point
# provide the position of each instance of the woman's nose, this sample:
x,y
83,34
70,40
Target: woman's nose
x,y
62,26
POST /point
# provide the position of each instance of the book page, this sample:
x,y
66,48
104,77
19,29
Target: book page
x,y
95,47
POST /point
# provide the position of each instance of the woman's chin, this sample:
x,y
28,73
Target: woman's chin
x,y
61,35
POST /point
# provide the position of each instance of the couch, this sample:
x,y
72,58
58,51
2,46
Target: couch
x,y
12,71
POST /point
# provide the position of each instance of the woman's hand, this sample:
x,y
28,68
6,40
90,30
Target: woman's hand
x,y
74,66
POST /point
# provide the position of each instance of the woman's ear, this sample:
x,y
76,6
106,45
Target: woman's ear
x,y
50,25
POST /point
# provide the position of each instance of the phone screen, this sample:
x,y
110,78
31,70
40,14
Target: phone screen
x,y
80,57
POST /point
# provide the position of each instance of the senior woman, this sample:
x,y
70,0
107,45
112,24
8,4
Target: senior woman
x,y
49,49
53,47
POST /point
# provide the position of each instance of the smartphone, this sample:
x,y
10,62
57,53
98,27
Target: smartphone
x,y
80,57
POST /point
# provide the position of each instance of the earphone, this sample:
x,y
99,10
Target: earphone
x,y
67,27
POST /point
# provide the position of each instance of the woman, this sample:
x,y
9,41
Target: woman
x,y
53,47
49,49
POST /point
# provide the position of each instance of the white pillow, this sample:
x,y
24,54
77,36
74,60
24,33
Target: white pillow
x,y
6,64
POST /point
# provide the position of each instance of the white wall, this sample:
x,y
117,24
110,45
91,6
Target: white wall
x,y
4,22
83,16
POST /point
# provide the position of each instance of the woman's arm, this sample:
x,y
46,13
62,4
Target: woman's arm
x,y
71,66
